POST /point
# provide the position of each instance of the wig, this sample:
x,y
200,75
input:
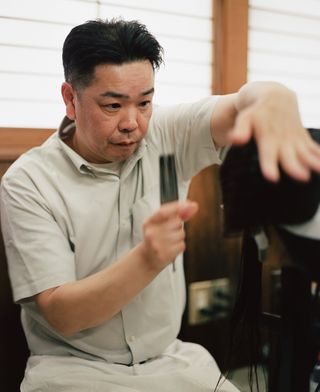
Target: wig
x,y
251,204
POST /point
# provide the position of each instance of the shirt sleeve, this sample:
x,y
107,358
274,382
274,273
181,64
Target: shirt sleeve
x,y
38,253
185,130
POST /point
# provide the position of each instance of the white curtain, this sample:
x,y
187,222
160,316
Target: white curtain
x,y
32,34
284,45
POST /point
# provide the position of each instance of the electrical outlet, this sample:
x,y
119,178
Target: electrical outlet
x,y
208,300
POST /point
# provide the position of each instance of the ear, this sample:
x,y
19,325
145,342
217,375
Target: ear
x,y
68,95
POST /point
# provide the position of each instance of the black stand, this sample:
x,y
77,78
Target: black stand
x,y
296,337
293,358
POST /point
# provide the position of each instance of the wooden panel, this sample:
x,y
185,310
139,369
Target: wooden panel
x,y
15,141
206,246
231,37
209,255
218,256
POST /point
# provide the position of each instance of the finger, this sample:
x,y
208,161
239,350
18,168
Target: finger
x,y
242,130
187,211
167,247
293,164
297,156
268,158
310,154
166,211
170,225
314,148
174,237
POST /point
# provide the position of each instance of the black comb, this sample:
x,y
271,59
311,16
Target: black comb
x,y
168,181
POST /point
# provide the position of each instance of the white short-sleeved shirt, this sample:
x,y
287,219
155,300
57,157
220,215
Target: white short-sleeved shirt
x,y
64,219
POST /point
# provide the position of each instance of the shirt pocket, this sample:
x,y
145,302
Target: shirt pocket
x,y
142,209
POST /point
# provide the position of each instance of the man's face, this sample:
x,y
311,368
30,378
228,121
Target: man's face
x,y
112,114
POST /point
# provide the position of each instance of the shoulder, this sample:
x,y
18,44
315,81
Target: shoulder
x,y
168,121
34,161
183,112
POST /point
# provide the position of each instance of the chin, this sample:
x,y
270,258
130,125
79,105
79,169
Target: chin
x,y
124,153
119,158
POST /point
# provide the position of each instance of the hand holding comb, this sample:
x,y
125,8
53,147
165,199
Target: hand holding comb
x,y
168,182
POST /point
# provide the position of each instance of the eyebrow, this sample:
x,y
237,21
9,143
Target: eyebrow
x,y
114,94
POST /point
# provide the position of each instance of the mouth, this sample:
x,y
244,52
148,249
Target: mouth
x,y
126,143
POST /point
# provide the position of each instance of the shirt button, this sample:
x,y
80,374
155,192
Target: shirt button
x,y
132,338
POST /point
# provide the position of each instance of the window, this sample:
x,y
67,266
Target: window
x,y
284,45
32,34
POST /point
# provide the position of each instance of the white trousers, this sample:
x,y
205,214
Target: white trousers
x,y
185,367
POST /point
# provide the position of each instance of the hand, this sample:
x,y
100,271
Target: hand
x,y
271,116
164,236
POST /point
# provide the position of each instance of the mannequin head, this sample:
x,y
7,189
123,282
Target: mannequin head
x,y
251,204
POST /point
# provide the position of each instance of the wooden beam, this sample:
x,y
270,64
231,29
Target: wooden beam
x,y
209,255
231,45
16,141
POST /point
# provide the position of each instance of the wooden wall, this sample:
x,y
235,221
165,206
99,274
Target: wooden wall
x,y
209,255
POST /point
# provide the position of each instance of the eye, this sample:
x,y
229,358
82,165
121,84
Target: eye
x,y
112,106
145,104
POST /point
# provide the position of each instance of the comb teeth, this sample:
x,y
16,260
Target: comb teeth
x,y
168,179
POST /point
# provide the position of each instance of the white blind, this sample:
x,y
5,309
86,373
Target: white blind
x,y
32,34
284,45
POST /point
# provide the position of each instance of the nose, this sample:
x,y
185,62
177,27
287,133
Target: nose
x,y
128,122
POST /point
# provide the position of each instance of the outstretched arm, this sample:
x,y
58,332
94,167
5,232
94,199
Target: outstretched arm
x,y
88,302
269,112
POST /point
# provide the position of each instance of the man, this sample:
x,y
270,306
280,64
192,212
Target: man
x,y
89,248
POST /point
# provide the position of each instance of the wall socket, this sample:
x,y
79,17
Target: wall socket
x,y
208,300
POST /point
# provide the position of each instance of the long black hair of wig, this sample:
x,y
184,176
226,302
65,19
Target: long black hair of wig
x,y
251,203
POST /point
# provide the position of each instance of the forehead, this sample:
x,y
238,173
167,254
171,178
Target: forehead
x,y
129,78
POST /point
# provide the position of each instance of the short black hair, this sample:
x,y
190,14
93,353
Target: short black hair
x,y
99,41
